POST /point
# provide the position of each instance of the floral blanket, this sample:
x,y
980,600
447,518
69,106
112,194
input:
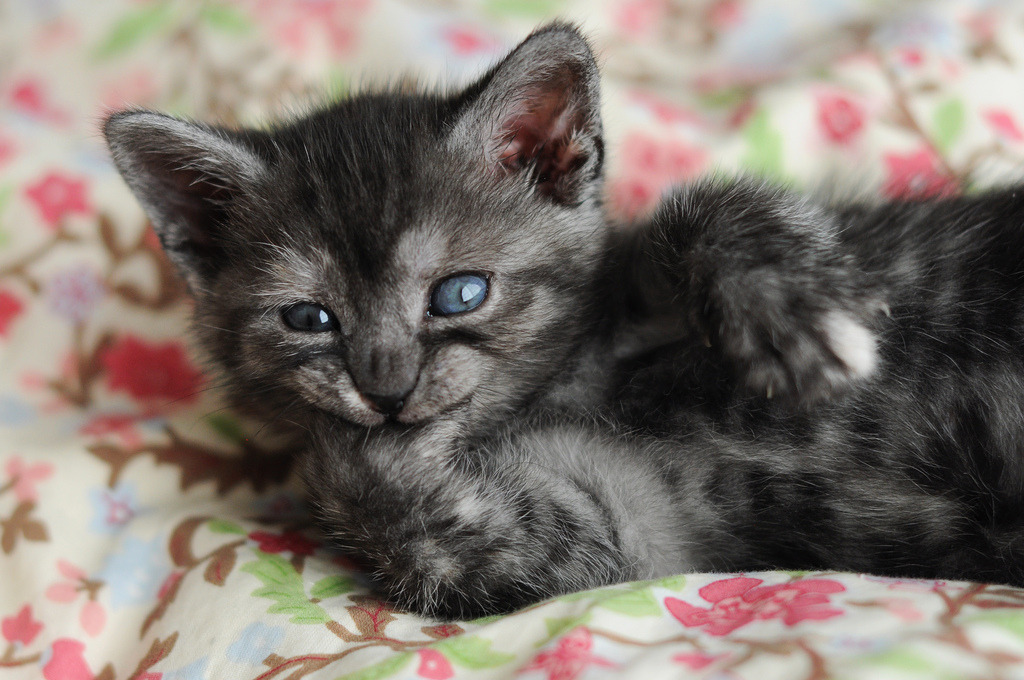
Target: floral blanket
x,y
148,533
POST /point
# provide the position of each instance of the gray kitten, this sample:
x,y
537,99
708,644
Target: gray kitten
x,y
506,398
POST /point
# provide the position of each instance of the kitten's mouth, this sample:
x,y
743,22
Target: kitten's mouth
x,y
414,414
370,414
390,409
418,406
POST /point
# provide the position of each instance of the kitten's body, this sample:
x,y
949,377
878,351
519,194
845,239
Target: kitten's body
x,y
913,471
748,381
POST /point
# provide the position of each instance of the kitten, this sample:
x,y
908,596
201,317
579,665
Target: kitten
x,y
506,398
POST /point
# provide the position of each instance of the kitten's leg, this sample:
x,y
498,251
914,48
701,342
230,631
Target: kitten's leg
x,y
761,275
539,513
555,509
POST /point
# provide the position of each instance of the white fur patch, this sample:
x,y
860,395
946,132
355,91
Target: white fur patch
x,y
852,343
470,508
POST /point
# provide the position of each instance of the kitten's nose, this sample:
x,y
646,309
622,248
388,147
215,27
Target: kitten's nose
x,y
388,404
385,375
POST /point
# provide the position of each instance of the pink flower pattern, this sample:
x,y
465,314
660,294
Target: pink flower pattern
x,y
67,661
1004,125
735,602
300,25
25,477
916,175
570,657
30,98
664,111
697,660
151,372
10,309
120,425
901,608
288,541
22,627
726,13
638,18
433,665
468,41
840,118
7,149
57,195
92,616
650,166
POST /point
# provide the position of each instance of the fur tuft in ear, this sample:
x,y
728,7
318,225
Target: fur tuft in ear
x,y
185,175
538,111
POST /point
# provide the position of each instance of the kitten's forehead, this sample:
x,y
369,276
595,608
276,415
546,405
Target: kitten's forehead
x,y
330,267
420,252
384,201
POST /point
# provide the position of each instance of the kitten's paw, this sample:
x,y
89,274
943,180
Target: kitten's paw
x,y
797,355
763,273
452,582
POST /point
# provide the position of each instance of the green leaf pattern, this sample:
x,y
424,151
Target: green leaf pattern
x,y
134,28
764,146
283,584
332,586
472,652
948,122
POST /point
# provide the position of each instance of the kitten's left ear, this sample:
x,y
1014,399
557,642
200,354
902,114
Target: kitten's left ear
x,y
538,111
186,176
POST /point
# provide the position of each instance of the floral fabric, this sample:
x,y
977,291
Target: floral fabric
x,y
148,533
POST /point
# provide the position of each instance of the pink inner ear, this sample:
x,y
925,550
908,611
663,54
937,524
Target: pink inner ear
x,y
517,142
538,132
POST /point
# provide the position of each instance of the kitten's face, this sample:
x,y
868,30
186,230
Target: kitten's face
x,y
394,257
371,261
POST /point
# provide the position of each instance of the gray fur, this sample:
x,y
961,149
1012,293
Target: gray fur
x,y
750,380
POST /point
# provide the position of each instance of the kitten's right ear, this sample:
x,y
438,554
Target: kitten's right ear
x,y
538,112
185,175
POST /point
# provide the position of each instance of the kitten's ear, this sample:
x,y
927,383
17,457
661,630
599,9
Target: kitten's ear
x,y
185,175
538,111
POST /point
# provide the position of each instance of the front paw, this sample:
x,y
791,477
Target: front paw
x,y
763,274
455,580
797,346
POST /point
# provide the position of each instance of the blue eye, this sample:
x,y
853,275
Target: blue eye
x,y
309,317
458,294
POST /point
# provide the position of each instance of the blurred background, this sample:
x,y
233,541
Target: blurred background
x,y
771,86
